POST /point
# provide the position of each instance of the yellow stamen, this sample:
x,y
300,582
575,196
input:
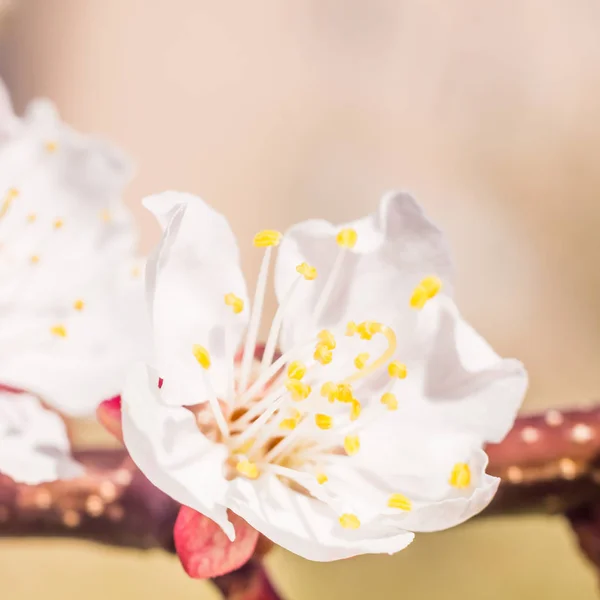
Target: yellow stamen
x,y
202,355
323,354
351,444
248,469
346,238
309,273
266,238
329,391
78,304
58,330
322,478
461,476
390,401
35,259
355,410
11,194
344,393
385,356
397,369
349,521
361,360
136,272
326,338
58,223
323,421
399,501
351,328
296,370
289,424
51,146
298,390
424,291
245,447
31,218
236,303
105,215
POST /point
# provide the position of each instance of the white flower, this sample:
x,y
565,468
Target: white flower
x,y
71,292
368,428
34,446
70,288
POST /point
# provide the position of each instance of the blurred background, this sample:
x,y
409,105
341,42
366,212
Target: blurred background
x,y
275,112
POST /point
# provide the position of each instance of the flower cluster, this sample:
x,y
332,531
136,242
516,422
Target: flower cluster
x,y
71,292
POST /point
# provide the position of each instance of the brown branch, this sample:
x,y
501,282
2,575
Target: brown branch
x,y
548,463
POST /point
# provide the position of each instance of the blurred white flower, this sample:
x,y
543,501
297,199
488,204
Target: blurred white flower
x,y
71,292
34,446
371,423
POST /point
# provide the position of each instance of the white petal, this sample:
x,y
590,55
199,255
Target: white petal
x,y
167,446
34,447
307,526
416,463
196,266
397,246
456,379
454,507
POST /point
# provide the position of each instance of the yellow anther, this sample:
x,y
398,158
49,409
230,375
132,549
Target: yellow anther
x,y
361,360
266,238
351,328
323,421
425,290
248,469
58,223
51,146
58,330
381,360
390,401
136,272
297,389
346,238
355,410
296,370
351,444
344,393
397,369
31,218
329,391
461,476
236,303
296,414
323,354
78,304
105,215
245,447
289,424
349,521
322,478
35,259
309,273
326,338
12,193
364,330
399,501
202,355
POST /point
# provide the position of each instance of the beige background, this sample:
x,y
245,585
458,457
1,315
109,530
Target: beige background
x,y
278,111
